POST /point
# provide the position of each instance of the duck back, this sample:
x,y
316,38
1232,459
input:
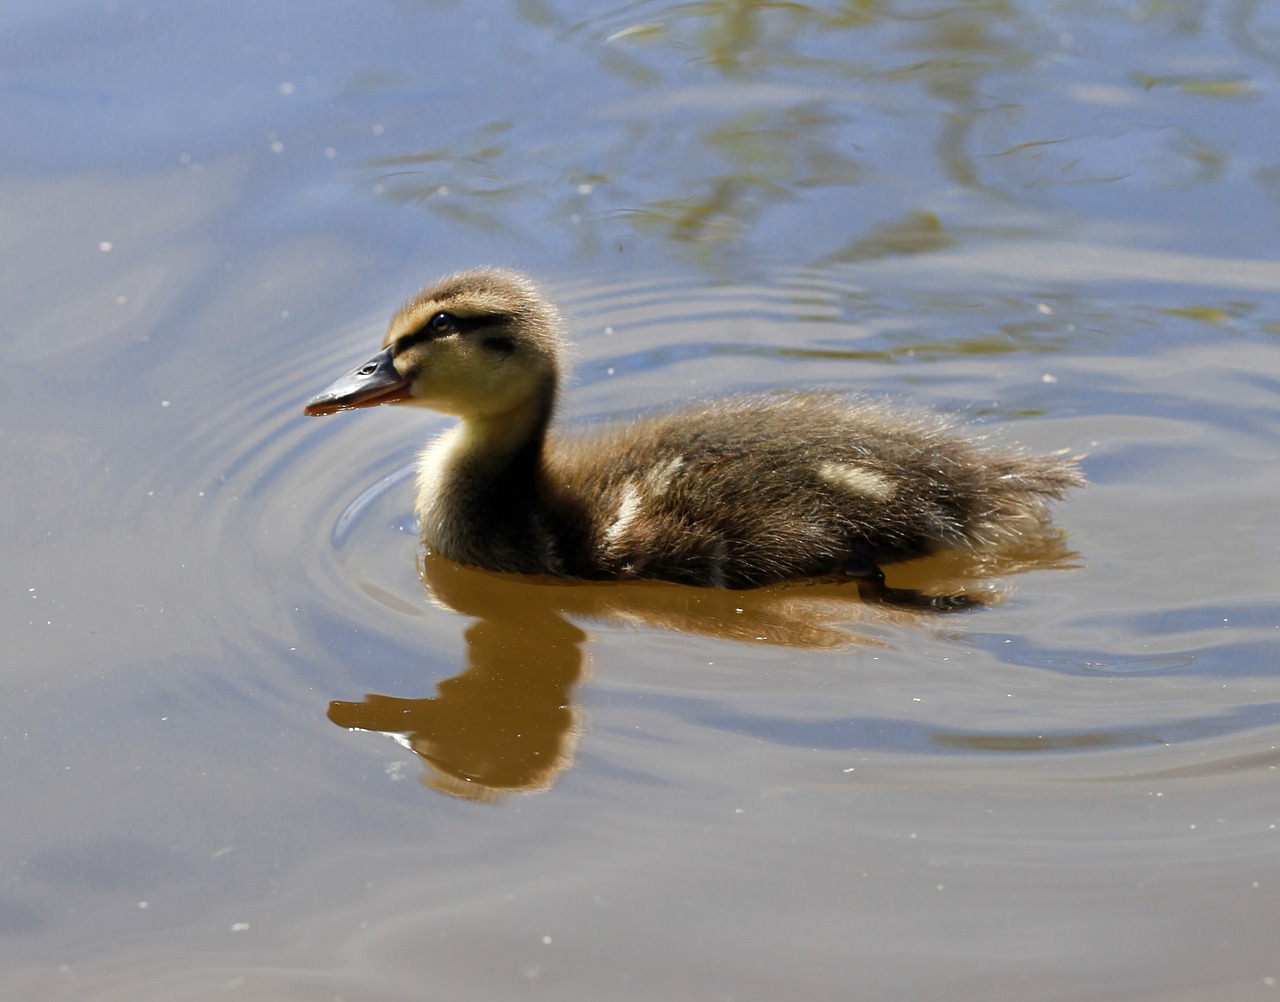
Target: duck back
x,y
743,492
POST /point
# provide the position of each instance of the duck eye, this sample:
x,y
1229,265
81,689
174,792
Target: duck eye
x,y
442,323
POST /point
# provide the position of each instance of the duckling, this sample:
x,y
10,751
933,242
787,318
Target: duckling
x,y
731,493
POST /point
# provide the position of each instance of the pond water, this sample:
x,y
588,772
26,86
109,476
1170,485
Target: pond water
x,y
256,744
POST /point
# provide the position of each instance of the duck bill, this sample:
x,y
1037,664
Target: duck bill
x,y
375,382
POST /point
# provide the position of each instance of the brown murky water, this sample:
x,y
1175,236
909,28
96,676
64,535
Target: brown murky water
x,y
1054,220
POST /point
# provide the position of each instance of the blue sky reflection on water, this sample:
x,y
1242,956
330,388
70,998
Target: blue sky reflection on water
x,y
725,132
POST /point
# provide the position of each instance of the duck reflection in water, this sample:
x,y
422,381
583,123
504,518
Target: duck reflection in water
x,y
507,722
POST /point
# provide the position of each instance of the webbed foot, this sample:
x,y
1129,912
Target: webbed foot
x,y
872,588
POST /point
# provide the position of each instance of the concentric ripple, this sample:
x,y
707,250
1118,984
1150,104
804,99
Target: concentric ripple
x,y
312,525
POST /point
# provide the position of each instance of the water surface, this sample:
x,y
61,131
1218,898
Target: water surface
x,y
1056,221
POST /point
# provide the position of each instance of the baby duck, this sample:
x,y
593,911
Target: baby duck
x,y
731,493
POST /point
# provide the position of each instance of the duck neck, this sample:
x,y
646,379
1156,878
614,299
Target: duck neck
x,y
483,476
509,444
504,453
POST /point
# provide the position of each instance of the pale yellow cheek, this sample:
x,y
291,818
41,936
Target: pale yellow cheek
x,y
444,384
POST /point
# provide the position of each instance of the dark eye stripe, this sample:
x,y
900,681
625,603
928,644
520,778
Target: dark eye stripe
x,y
457,325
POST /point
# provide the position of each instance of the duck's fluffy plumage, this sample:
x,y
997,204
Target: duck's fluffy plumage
x,y
737,492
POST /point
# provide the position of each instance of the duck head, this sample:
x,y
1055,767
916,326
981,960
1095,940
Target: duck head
x,y
480,345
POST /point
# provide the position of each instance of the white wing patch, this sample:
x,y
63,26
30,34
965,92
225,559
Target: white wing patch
x,y
858,479
628,511
659,479
653,484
